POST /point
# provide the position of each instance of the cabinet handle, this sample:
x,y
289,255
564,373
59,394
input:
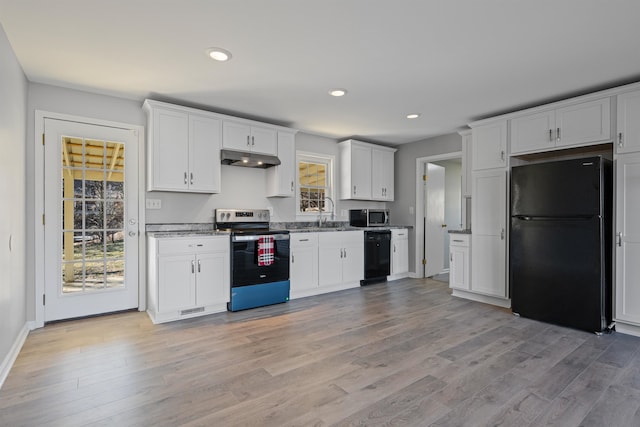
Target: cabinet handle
x,y
450,257
394,248
620,144
198,266
620,239
191,178
248,141
193,267
502,234
550,135
502,155
303,240
345,252
292,189
558,134
293,258
459,241
185,177
354,189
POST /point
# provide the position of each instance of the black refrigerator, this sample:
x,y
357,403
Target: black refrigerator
x,y
561,242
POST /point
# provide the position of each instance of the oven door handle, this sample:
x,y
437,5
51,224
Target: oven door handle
x,y
254,238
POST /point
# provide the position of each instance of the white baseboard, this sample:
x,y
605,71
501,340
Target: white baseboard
x,y
627,328
11,357
487,299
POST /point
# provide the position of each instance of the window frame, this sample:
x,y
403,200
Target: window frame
x,y
326,159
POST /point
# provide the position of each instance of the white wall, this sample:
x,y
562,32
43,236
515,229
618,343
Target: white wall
x,y
13,111
403,209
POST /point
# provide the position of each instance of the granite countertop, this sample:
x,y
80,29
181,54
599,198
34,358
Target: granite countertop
x,y
465,231
207,229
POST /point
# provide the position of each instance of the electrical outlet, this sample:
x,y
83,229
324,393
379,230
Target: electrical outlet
x,y
153,203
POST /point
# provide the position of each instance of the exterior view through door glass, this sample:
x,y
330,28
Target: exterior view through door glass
x,y
91,230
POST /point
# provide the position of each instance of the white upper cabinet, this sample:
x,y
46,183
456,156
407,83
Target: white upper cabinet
x,y
183,150
628,137
574,125
366,171
382,174
489,145
281,178
242,136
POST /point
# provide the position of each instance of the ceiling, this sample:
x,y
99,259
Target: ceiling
x,y
451,61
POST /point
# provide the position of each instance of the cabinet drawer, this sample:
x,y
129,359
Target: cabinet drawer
x,y
303,239
192,245
459,240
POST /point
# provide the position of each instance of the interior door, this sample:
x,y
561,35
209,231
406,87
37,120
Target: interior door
x,y
91,219
434,219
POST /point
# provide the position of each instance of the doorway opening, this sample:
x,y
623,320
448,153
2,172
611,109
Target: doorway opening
x,y
438,210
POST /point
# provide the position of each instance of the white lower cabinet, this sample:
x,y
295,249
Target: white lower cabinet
x,y
627,247
188,277
460,261
399,253
303,264
341,259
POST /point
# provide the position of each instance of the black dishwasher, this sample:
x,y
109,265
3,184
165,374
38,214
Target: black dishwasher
x,y
377,256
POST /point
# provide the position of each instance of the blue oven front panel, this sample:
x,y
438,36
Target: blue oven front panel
x,y
251,296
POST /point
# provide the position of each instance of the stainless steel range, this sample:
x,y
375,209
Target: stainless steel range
x,y
259,258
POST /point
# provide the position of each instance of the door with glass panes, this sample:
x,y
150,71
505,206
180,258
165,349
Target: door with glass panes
x,y
91,219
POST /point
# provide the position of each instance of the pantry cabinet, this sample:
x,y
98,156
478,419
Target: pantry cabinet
x,y
188,276
183,150
303,264
489,146
281,178
489,238
628,240
366,171
399,253
628,121
241,136
340,259
578,124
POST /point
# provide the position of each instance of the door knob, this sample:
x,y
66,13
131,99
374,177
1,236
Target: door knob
x,y
444,226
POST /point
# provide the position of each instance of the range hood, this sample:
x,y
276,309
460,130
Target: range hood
x,y
248,160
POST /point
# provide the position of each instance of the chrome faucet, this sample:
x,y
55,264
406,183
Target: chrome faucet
x,y
333,207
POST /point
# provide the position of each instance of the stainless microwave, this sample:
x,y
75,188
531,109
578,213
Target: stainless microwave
x,y
368,217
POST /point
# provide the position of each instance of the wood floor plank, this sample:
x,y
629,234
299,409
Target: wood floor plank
x,y
399,353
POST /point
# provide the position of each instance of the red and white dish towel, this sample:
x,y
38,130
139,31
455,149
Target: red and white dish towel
x,y
266,254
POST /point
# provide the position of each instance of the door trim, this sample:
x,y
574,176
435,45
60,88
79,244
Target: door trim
x,y
38,240
419,218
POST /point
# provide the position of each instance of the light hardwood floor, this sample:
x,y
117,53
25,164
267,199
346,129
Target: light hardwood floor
x,y
401,353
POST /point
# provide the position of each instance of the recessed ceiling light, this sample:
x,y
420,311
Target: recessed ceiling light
x,y
413,116
338,92
219,54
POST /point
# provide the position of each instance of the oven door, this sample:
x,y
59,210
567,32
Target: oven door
x,y
244,261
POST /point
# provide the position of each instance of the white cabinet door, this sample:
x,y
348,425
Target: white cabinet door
x,y
399,252
236,136
176,282
281,178
205,135
382,174
628,238
488,248
329,264
303,263
212,279
628,137
489,146
264,140
534,132
353,256
459,267
360,172
584,123
169,145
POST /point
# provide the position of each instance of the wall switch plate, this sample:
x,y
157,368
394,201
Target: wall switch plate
x,y
153,203
343,213
410,210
